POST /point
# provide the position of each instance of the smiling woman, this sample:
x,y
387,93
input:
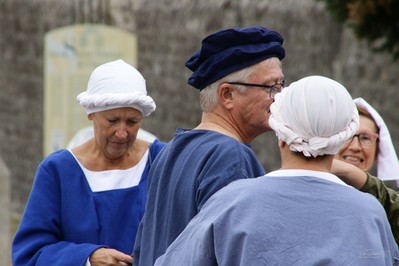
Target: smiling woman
x,y
357,158
372,145
361,149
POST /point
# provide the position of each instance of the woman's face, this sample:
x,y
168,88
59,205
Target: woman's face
x,y
357,154
115,130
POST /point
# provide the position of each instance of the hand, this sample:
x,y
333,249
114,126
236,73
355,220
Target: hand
x,y
350,174
109,257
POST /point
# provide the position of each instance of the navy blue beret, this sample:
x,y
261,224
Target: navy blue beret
x,y
229,50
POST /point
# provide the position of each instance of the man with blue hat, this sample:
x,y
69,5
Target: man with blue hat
x,y
238,72
300,214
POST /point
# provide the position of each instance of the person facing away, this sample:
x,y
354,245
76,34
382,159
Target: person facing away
x,y
237,71
371,146
86,203
300,214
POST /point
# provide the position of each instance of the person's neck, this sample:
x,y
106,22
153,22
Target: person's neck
x,y
296,160
94,159
313,164
218,123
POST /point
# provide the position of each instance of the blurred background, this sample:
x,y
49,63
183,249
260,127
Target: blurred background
x,y
44,64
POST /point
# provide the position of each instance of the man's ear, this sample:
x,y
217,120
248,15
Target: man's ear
x,y
225,93
90,117
282,144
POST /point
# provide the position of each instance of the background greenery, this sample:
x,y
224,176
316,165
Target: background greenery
x,y
376,21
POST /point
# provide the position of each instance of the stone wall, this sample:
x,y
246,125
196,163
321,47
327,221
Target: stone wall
x,y
5,219
168,33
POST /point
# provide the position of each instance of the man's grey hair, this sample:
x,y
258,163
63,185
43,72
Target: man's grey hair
x,y
208,96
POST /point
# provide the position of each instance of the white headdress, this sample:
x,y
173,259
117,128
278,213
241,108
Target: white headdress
x,y
387,160
315,115
113,85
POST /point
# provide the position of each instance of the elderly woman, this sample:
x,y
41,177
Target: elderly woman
x,y
371,146
86,203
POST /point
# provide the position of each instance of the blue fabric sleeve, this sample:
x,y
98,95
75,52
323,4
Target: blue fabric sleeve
x,y
38,239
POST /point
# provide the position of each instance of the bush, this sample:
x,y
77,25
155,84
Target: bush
x,y
376,21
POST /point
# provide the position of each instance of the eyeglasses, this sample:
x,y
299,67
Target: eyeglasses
x,y
273,89
365,139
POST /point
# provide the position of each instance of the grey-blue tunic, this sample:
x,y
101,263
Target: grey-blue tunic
x,y
286,220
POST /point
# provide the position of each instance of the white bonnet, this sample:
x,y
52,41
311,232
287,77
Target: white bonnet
x,y
114,85
314,115
387,160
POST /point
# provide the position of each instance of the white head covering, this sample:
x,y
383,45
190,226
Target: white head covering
x,y
315,115
113,85
387,160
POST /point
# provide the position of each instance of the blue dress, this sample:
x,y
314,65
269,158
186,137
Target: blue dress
x,y
64,221
188,171
286,220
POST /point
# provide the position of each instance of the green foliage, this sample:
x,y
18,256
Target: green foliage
x,y
376,21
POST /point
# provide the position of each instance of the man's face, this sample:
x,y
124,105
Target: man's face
x,y
252,109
